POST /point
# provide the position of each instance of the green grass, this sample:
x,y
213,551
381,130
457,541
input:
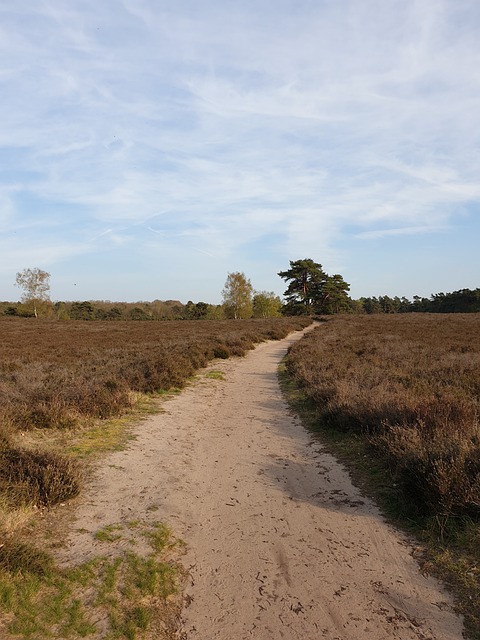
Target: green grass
x,y
159,536
110,533
43,605
40,600
215,375
112,434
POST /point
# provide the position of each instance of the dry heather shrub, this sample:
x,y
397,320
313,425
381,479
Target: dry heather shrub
x,y
198,354
38,477
221,351
20,557
236,348
6,429
411,385
276,333
152,372
440,469
56,374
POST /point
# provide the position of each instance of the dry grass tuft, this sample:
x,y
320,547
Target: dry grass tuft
x,y
21,557
39,478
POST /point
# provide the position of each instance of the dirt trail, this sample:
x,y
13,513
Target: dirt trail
x,y
280,544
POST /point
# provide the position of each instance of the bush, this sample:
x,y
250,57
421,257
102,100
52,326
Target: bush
x,y
439,470
36,477
20,557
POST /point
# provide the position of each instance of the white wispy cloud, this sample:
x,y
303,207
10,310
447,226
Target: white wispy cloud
x,y
306,123
402,231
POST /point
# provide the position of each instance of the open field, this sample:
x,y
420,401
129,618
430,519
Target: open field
x,y
279,544
65,383
374,383
56,375
399,397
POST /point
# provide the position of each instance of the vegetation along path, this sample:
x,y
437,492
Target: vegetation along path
x,y
279,544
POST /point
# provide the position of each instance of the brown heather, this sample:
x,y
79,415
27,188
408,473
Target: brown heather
x,y
397,398
411,385
59,375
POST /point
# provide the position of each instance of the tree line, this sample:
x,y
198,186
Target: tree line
x,y
240,300
310,291
461,301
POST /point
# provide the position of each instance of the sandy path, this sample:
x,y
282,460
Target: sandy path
x,y
280,544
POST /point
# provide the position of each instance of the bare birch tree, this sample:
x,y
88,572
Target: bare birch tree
x,y
36,286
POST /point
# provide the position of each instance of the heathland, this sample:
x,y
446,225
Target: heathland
x,y
398,397
62,384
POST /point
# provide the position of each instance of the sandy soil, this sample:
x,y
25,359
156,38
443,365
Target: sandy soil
x,y
279,542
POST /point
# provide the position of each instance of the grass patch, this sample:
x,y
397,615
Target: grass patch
x,y
215,375
40,600
159,536
109,533
102,438
165,394
37,598
112,434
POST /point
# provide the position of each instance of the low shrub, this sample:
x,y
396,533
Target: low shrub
x,y
38,477
221,351
21,557
56,374
410,384
437,470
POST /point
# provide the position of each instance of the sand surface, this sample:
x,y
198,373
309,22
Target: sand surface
x,y
279,542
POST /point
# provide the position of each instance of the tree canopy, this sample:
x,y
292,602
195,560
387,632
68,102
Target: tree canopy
x,y
36,286
306,279
312,290
238,296
266,304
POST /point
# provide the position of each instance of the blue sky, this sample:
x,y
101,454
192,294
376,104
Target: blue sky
x,y
149,147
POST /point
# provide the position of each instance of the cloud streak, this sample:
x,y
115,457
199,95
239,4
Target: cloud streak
x,y
274,124
402,231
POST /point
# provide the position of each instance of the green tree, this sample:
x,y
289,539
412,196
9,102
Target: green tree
x,y
114,313
83,311
238,296
266,304
335,298
138,313
306,280
36,287
312,290
215,312
61,311
372,305
198,311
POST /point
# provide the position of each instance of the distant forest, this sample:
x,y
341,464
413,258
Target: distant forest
x,y
462,301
